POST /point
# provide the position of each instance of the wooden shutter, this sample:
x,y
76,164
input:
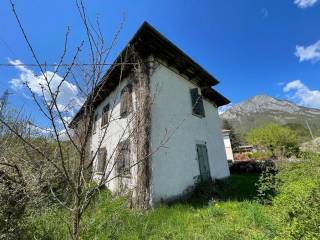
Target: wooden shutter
x,y
126,101
102,157
203,160
105,113
197,102
123,158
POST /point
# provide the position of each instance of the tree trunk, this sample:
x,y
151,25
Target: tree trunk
x,y
143,135
76,223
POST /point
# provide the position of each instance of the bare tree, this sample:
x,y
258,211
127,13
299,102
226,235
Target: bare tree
x,y
72,155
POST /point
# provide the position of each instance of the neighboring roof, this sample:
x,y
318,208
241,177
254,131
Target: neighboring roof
x,y
148,41
226,130
245,146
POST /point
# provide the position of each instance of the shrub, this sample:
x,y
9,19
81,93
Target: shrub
x,y
267,185
296,207
304,218
203,191
13,201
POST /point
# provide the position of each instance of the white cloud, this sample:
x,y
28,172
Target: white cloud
x,y
309,53
224,108
68,93
304,96
305,3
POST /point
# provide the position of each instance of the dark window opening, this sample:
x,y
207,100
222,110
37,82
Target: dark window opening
x,y
105,115
126,101
197,103
94,126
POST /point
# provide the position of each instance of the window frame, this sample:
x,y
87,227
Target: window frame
x,y
197,103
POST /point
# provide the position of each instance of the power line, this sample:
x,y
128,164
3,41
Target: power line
x,y
63,64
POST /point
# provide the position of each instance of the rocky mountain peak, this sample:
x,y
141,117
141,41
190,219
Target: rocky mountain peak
x,y
262,109
263,103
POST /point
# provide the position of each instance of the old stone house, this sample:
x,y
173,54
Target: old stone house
x,y
163,125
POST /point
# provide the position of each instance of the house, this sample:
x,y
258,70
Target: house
x,y
177,137
242,152
227,144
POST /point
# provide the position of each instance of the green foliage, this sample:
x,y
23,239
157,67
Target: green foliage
x,y
13,201
317,132
294,213
304,218
281,141
112,219
260,155
238,187
301,131
203,192
267,185
296,208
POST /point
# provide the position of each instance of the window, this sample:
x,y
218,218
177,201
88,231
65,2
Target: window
x,y
123,158
105,113
197,103
101,161
126,101
94,126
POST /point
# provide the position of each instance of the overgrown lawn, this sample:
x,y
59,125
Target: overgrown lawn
x,y
235,216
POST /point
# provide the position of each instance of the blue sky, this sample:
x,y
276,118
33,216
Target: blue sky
x,y
252,46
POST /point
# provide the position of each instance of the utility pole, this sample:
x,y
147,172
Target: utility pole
x,y
309,129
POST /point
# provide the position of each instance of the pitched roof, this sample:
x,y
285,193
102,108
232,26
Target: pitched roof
x,y
148,41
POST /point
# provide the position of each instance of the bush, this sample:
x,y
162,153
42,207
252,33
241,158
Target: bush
x,y
204,191
13,201
296,207
304,217
267,185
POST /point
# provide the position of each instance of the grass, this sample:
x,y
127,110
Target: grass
x,y
240,187
235,216
227,220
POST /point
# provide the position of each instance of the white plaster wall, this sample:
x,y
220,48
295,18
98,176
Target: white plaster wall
x,y
118,130
227,145
175,165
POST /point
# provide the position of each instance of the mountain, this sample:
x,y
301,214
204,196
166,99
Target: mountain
x,y
262,109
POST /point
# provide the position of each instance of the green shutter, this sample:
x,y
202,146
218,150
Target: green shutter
x,y
203,162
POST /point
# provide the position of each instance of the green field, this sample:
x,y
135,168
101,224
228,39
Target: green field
x,y
294,213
